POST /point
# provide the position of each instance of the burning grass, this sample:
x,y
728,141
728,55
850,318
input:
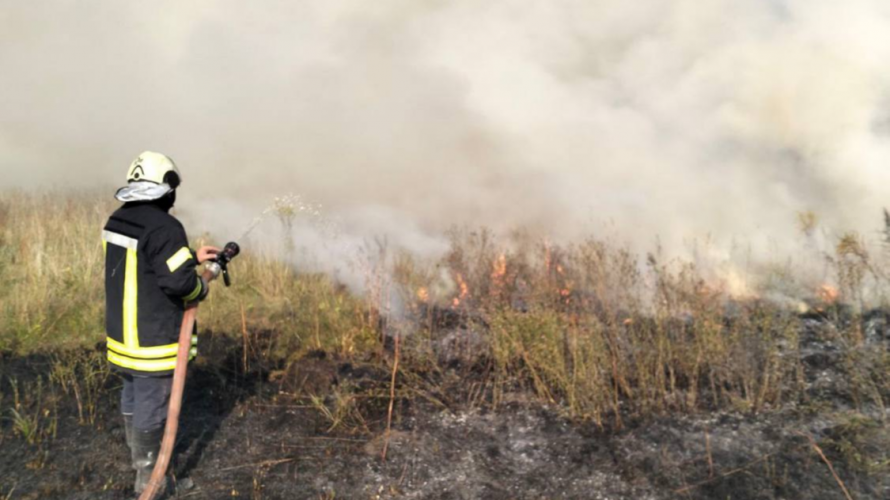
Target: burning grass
x,y
589,327
586,328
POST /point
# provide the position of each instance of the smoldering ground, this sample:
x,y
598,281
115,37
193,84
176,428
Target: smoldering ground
x,y
678,119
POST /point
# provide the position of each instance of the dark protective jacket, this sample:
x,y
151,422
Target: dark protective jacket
x,y
149,278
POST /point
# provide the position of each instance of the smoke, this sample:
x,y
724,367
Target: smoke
x,y
676,119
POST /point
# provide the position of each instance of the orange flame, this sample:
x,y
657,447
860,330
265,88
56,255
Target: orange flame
x,y
423,294
828,294
499,268
464,291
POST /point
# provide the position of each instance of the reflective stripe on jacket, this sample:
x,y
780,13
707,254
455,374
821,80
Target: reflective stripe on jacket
x,y
149,277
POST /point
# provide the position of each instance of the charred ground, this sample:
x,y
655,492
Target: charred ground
x,y
314,427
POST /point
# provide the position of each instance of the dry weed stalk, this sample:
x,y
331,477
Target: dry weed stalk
x,y
392,396
825,459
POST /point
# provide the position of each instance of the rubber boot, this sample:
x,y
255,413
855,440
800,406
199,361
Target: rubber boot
x,y
128,436
128,431
146,445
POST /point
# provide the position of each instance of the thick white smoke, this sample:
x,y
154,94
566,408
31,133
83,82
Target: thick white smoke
x,y
679,118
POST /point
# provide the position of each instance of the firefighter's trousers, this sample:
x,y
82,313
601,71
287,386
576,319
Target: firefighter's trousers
x,y
146,399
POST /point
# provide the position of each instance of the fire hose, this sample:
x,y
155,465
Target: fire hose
x,y
158,482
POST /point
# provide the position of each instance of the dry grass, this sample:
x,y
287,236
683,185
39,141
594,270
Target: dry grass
x,y
50,270
586,327
52,290
590,327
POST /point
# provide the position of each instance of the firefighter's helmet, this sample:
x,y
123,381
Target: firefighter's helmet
x,y
150,177
154,167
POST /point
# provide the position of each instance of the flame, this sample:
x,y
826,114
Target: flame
x,y
499,268
737,284
423,294
464,291
828,294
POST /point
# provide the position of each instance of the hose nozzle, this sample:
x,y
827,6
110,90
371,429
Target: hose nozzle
x,y
221,262
229,252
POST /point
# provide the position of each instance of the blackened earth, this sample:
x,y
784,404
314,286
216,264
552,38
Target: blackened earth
x,y
251,432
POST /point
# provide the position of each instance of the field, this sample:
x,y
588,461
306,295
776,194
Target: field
x,y
511,367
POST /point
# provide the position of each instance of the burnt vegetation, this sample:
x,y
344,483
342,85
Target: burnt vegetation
x,y
526,368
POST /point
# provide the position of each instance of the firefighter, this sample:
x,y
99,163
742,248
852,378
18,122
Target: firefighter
x,y
149,279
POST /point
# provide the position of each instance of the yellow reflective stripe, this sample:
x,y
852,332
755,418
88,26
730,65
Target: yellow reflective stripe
x,y
179,258
194,295
147,365
161,351
104,247
131,302
143,365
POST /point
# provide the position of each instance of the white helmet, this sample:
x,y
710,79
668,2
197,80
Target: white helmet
x,y
150,176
